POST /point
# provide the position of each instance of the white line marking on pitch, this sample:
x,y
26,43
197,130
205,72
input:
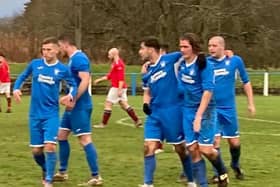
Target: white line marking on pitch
x,y
259,120
122,121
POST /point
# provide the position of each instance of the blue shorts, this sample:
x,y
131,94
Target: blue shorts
x,y
77,120
227,123
206,134
164,123
43,131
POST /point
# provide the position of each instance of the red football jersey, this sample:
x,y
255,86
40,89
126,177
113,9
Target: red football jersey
x,y
4,72
117,73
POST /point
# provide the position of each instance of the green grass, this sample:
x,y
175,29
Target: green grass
x,y
120,149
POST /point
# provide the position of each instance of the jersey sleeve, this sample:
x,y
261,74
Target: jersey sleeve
x,y
80,64
71,84
208,78
241,69
172,57
23,76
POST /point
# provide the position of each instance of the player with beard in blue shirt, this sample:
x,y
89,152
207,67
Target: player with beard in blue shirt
x,y
78,118
162,105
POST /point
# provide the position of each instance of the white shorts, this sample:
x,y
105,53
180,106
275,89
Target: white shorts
x,y
113,95
5,87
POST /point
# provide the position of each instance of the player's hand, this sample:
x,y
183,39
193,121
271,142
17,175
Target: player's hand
x,y
251,110
145,67
146,109
197,123
96,81
67,101
17,94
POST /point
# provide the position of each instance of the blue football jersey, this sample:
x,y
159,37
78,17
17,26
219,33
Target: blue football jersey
x,y
79,62
193,82
45,86
161,80
225,77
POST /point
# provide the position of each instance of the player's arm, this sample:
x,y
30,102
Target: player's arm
x,y
206,97
146,102
68,100
83,86
208,86
19,82
103,78
250,98
120,77
246,85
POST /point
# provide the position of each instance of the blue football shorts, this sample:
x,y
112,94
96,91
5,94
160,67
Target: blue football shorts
x,y
205,136
78,121
164,123
43,131
227,123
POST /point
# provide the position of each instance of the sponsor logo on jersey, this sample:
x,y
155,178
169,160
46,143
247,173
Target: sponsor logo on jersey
x,y
40,67
157,76
222,71
45,79
187,79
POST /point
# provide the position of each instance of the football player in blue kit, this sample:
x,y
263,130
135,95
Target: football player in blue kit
x,y
196,82
47,72
162,105
77,119
225,69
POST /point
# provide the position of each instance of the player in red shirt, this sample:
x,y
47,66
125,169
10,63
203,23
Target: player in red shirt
x,y
5,81
118,90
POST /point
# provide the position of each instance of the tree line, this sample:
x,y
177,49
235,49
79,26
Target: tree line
x,y
251,27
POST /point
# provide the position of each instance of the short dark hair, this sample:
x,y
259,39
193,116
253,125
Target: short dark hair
x,y
164,46
48,40
194,41
151,41
67,38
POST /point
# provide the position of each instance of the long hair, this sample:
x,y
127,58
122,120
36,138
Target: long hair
x,y
195,42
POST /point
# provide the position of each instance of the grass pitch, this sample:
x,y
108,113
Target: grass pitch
x,y
120,149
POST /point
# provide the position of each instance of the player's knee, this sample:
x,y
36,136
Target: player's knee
x,y
149,148
37,150
50,147
85,139
180,149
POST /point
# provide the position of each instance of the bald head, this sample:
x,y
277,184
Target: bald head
x,y
113,53
216,46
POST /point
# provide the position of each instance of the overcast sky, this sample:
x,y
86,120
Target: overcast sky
x,y
11,7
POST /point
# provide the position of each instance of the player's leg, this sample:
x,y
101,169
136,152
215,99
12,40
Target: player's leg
x,y
130,111
37,144
8,98
112,97
231,133
206,140
50,127
152,135
64,147
81,123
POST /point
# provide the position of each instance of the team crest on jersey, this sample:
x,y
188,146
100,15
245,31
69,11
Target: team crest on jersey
x,y
56,71
192,72
162,64
227,62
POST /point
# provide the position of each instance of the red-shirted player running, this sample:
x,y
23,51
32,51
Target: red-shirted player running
x,y
5,81
118,90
